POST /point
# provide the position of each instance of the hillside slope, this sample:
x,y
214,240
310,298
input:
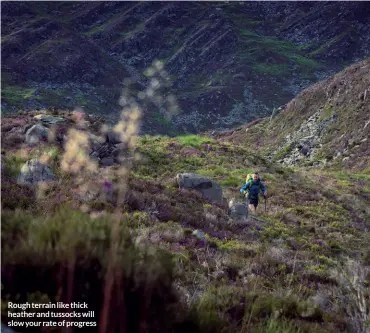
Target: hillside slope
x,y
305,269
328,123
226,63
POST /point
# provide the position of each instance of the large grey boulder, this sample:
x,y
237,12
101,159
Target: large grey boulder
x,y
238,210
33,172
209,188
36,133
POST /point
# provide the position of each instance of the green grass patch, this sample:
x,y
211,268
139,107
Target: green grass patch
x,y
328,44
327,111
15,95
283,152
212,170
270,69
230,181
160,119
193,140
257,47
13,164
348,176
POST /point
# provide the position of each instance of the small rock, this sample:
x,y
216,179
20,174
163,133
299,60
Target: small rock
x,y
114,152
238,210
351,142
95,156
95,142
107,161
114,137
33,172
36,134
199,234
305,149
121,146
88,193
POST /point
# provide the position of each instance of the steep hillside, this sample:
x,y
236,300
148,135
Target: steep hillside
x,y
120,237
326,124
226,63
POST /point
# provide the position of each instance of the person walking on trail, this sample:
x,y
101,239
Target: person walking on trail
x,y
252,189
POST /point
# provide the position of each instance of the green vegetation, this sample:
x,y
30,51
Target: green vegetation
x,y
270,69
161,119
327,111
328,44
15,95
283,152
82,99
286,54
193,140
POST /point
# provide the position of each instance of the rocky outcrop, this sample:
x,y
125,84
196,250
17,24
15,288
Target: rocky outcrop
x,y
34,172
304,143
107,150
207,187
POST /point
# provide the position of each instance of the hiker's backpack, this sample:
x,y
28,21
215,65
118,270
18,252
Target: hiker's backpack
x,y
249,177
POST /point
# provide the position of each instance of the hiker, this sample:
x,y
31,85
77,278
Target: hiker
x,y
252,189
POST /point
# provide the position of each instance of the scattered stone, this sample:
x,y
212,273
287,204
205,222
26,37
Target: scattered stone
x,y
36,134
320,300
114,137
208,188
306,141
199,234
238,210
121,146
305,149
95,156
95,142
351,143
107,161
33,172
88,192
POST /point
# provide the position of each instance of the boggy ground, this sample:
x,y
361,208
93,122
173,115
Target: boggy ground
x,y
306,270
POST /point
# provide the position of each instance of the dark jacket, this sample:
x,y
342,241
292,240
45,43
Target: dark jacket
x,y
252,188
